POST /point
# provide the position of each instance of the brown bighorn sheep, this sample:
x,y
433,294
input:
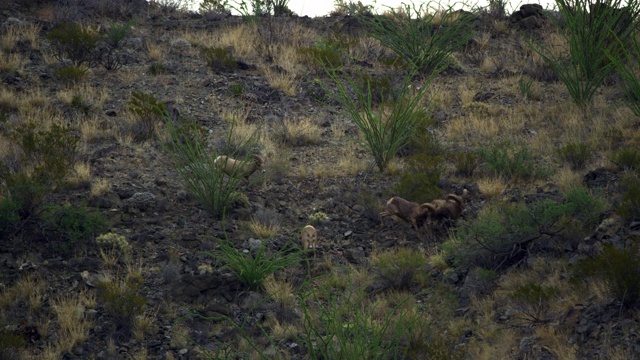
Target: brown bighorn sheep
x,y
450,207
309,237
238,168
408,211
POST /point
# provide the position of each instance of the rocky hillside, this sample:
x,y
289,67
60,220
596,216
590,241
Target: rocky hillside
x,y
109,251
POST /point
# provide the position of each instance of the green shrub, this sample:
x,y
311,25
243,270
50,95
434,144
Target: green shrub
x,y
219,59
116,33
237,89
575,154
324,58
70,74
533,300
213,6
213,189
253,269
507,234
157,68
344,325
47,155
629,207
590,29
420,181
426,40
351,8
122,300
504,160
619,268
466,162
78,102
11,343
627,158
72,225
72,41
399,267
149,110
9,215
387,128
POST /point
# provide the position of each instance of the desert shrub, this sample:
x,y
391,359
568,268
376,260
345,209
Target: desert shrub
x,y
149,110
590,29
212,188
515,163
345,325
72,41
10,343
213,6
629,207
427,39
219,59
620,270
114,241
351,8
318,217
9,215
237,89
71,225
386,129
116,33
157,68
575,154
465,162
70,74
122,300
47,154
77,102
627,158
533,300
506,235
381,87
420,181
399,267
254,267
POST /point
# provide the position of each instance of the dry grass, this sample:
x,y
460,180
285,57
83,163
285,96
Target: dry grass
x,y
298,131
262,230
283,80
492,187
156,52
99,187
72,320
281,291
81,174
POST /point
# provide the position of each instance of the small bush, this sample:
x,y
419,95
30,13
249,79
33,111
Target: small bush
x,y
629,207
148,110
506,235
219,59
253,269
381,88
70,74
71,225
466,162
9,215
533,301
116,33
157,68
420,182
399,267
318,217
504,160
73,42
122,300
619,268
322,58
627,159
114,241
575,154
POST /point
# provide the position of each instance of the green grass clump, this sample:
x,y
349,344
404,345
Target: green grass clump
x,y
122,300
72,41
219,59
510,162
532,300
70,74
345,325
72,225
465,162
627,159
254,267
575,154
157,68
399,267
619,268
149,110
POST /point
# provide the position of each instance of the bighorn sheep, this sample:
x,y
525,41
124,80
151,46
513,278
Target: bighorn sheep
x,y
450,207
408,211
238,168
309,237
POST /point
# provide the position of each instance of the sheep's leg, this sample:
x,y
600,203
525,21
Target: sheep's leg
x,y
415,227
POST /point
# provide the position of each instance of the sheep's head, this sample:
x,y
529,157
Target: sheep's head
x,y
309,237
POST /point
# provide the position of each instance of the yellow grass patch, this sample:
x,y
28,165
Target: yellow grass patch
x,y
492,187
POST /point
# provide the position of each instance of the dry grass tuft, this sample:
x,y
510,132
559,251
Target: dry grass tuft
x,y
100,187
492,187
72,320
264,230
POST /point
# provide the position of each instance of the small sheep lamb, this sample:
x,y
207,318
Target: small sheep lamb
x,y
309,237
408,211
238,168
